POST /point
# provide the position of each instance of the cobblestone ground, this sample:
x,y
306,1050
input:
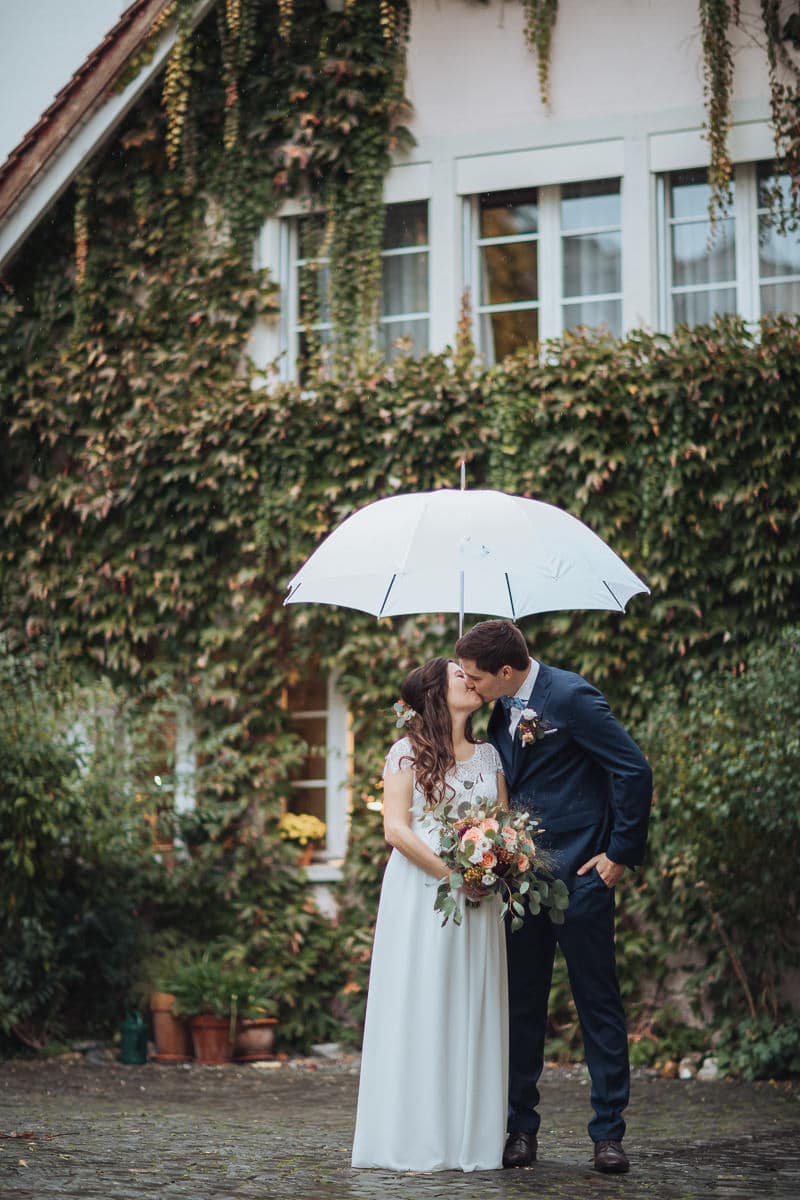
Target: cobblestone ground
x,y
102,1130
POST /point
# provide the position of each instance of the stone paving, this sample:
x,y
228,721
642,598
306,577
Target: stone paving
x,y
102,1130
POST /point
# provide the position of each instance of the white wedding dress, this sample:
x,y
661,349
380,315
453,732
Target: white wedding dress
x,y
433,1090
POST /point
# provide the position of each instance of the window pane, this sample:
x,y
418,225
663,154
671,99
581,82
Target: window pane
x,y
406,225
314,732
310,235
689,194
405,283
592,264
589,205
323,339
595,313
780,298
693,262
506,213
309,694
778,254
698,308
769,182
314,288
308,800
412,335
509,272
503,333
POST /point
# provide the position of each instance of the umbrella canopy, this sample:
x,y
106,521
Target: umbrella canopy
x,y
464,551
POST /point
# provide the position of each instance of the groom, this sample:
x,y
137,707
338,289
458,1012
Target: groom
x,y
591,787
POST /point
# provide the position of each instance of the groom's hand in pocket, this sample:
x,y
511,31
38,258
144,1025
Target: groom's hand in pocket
x,y
610,872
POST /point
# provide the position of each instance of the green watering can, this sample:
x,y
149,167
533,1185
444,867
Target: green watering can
x,y
134,1040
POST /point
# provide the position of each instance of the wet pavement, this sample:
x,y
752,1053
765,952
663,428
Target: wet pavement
x,y
102,1130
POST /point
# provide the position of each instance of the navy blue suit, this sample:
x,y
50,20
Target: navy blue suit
x,y
591,787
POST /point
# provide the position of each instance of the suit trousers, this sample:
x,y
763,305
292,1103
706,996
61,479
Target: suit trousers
x,y
586,940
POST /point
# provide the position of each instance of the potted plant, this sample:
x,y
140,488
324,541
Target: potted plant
x,y
215,995
304,830
255,1037
170,1032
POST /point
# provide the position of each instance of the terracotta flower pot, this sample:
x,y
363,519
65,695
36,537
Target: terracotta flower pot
x,y
306,854
256,1039
173,1043
211,1039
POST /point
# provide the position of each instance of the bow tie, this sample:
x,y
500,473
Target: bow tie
x,y
509,702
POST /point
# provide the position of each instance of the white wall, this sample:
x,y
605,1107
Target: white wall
x,y
470,70
42,44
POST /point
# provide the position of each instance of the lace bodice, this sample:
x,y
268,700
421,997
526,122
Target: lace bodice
x,y
471,779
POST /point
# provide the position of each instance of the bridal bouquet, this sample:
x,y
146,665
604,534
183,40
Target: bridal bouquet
x,y
490,851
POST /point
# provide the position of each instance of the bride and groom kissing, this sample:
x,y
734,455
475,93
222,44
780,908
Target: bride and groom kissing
x,y
456,1016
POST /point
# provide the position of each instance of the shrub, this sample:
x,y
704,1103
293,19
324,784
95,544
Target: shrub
x,y
725,843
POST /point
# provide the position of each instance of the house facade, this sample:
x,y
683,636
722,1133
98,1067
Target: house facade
x,y
592,211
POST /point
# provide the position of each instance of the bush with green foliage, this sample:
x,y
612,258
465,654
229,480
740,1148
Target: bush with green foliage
x,y
725,843
71,870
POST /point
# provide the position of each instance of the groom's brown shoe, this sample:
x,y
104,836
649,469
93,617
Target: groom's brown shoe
x,y
520,1150
610,1158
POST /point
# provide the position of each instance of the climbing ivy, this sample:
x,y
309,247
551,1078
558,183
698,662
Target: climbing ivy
x,y
540,22
715,18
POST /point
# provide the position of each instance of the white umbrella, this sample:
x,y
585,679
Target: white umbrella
x,y
464,551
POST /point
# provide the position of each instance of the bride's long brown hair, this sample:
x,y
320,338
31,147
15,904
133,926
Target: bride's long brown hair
x,y
431,730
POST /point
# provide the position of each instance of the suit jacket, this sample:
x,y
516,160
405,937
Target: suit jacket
x,y
588,783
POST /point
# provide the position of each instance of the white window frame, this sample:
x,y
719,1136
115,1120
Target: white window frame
x,y
550,283
290,262
290,265
746,211
399,251
335,784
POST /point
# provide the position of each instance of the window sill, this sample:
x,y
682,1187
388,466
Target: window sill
x,y
325,872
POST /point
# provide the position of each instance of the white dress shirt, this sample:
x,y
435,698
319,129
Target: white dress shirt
x,y
524,692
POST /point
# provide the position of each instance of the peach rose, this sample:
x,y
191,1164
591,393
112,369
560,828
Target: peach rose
x,y
489,860
490,823
523,862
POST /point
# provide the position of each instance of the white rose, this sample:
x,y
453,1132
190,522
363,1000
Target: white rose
x,y
528,714
488,879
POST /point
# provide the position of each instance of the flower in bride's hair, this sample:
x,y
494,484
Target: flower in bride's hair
x,y
403,713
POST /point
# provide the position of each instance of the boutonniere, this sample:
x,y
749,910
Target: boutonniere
x,y
532,728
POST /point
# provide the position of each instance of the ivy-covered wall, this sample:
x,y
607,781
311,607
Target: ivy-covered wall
x,y
156,495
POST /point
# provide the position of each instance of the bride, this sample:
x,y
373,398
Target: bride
x,y
432,1095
